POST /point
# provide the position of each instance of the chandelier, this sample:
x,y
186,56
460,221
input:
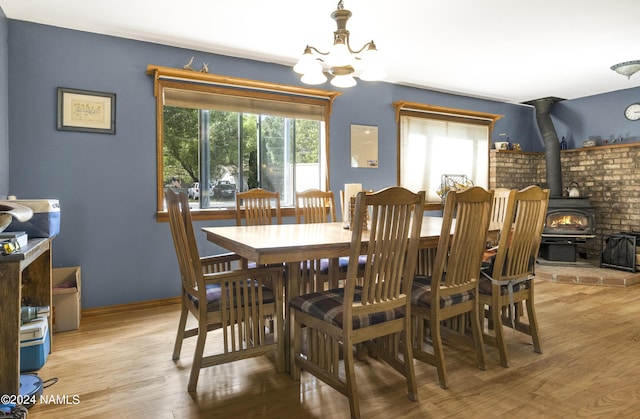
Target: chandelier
x,y
628,68
342,61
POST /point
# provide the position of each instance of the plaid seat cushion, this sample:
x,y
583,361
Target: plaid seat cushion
x,y
421,294
214,293
485,286
328,306
343,264
324,266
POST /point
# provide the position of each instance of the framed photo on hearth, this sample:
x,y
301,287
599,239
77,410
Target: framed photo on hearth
x,y
86,111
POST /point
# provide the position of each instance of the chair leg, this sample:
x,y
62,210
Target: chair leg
x,y
438,353
182,324
350,376
501,343
417,335
407,352
533,326
488,313
476,328
282,344
197,358
295,346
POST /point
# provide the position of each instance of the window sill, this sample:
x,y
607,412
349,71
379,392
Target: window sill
x,y
217,214
230,214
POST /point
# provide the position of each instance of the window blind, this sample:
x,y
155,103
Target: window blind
x,y
430,148
234,100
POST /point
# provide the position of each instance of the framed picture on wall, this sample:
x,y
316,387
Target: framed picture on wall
x,y
86,111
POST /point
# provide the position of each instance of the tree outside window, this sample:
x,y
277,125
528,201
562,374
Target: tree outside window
x,y
244,151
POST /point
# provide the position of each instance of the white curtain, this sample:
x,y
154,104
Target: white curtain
x,y
430,148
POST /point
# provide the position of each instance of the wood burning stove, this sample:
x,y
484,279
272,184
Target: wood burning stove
x,y
569,221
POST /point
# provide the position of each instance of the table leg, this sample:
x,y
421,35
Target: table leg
x,y
292,289
334,273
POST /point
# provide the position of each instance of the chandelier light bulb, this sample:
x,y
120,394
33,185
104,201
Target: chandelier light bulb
x,y
339,55
343,81
343,76
306,63
314,77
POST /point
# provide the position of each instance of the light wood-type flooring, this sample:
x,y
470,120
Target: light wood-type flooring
x,y
119,366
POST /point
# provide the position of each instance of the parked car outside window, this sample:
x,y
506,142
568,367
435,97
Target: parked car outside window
x,y
194,191
224,190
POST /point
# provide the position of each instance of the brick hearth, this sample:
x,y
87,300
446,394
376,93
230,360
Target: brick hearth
x,y
586,275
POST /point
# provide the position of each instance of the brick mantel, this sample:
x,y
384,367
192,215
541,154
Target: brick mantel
x,y
608,175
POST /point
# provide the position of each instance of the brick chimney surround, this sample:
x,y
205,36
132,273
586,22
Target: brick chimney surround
x,y
608,175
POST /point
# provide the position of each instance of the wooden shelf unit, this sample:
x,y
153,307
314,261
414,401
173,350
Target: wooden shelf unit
x,y
27,275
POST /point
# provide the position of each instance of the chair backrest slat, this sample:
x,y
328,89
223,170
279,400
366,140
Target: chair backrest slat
x,y
499,208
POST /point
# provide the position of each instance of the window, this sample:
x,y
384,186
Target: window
x,y
436,141
218,135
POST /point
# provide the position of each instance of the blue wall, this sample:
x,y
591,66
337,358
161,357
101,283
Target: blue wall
x,y
599,117
106,183
4,107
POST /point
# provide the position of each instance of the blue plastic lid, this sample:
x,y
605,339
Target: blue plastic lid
x,y
30,384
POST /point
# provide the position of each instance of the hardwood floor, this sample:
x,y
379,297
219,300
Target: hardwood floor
x,y
119,366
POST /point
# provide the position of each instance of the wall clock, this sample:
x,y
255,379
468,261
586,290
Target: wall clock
x,y
632,113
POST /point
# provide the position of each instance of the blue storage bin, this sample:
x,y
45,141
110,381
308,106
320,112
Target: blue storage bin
x,y
35,344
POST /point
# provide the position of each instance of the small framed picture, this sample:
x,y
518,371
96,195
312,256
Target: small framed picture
x,y
86,111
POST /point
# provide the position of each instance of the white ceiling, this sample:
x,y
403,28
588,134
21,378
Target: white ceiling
x,y
506,50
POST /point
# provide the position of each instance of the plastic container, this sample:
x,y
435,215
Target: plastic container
x,y
45,221
35,344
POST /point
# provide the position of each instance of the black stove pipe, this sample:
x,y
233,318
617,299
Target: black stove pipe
x,y
551,144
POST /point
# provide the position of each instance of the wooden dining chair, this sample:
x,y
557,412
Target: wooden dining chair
x,y
377,312
452,290
507,281
258,207
235,301
316,206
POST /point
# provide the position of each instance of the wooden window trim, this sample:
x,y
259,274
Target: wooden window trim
x,y
257,88
441,112
422,110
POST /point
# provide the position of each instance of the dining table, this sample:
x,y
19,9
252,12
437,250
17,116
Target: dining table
x,y
290,244
286,243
